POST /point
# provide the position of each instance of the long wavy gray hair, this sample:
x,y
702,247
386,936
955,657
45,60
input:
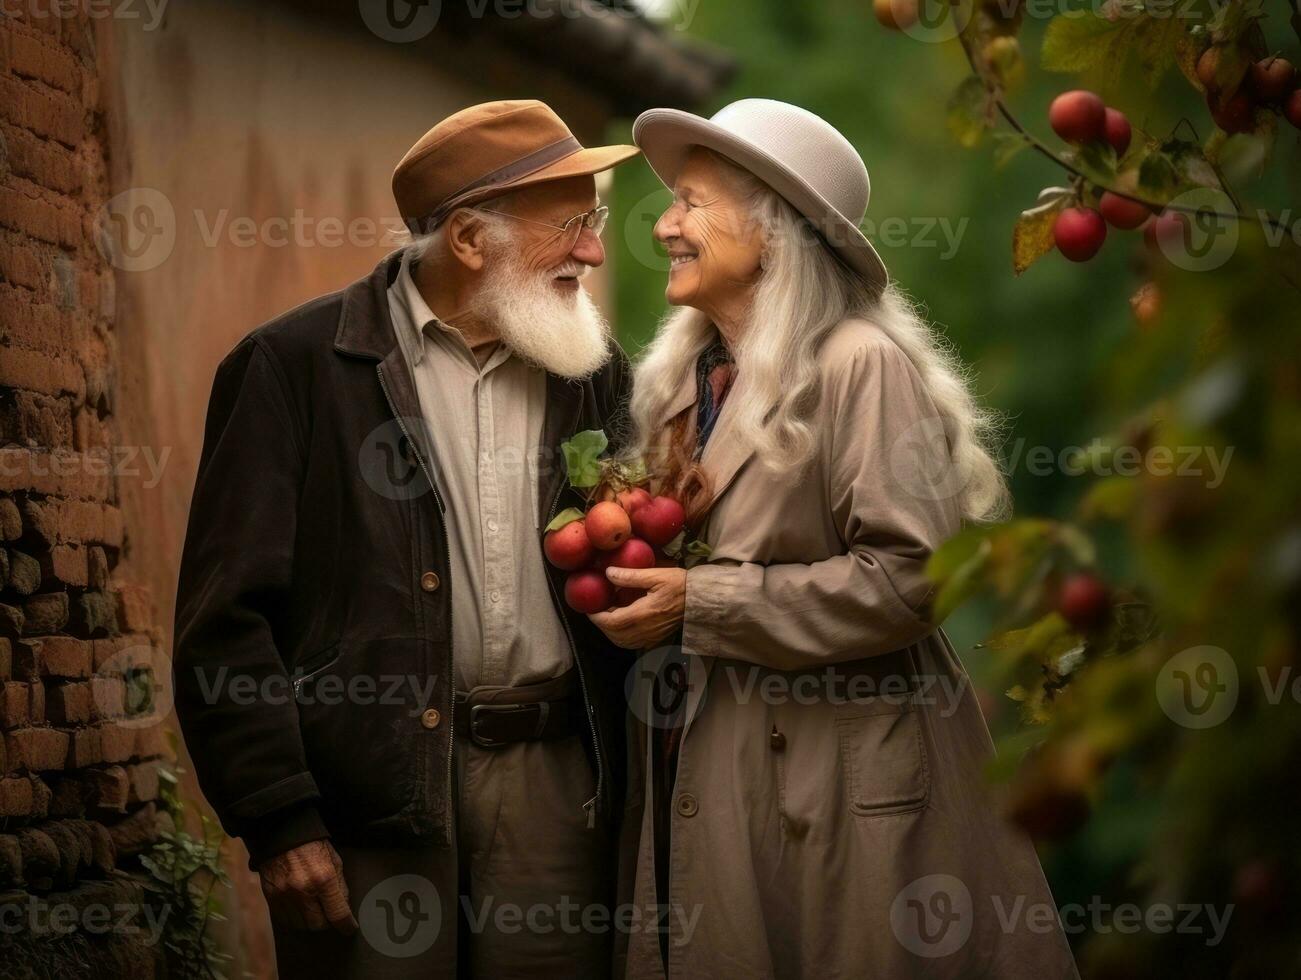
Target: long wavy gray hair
x,y
803,293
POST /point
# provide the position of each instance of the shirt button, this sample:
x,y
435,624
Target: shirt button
x,y
495,596
429,581
687,805
492,525
777,740
430,717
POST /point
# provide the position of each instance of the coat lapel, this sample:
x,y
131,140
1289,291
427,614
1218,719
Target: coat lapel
x,y
725,454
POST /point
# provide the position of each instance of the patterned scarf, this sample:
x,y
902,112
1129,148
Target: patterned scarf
x,y
714,373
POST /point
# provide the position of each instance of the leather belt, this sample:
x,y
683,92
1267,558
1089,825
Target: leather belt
x,y
494,717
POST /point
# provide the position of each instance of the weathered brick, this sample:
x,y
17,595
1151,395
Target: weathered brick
x,y
40,160
151,740
11,521
36,748
134,609
66,564
15,796
37,710
15,704
96,567
59,473
25,322
117,742
84,748
138,831
68,797
6,659
68,704
110,788
107,697
55,656
12,619
24,573
47,613
34,56
73,522
31,419
45,112
11,861
129,651
40,857
39,372
94,614
41,796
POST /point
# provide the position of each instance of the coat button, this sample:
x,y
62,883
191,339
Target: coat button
x,y
687,805
429,581
430,717
777,740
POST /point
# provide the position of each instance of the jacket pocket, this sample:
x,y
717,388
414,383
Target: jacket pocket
x,y
883,754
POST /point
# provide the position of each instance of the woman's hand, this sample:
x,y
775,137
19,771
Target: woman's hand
x,y
655,616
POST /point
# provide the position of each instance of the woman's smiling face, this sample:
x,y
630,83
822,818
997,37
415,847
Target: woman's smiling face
x,y
715,247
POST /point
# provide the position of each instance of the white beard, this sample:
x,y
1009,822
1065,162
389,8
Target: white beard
x,y
561,332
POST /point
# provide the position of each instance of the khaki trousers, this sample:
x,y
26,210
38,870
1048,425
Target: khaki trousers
x,y
532,883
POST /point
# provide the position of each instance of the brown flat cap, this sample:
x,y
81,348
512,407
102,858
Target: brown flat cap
x,y
487,150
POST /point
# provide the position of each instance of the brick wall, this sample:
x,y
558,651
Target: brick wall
x,y
81,742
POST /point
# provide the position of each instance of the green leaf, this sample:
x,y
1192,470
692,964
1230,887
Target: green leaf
x,y
633,472
699,548
566,516
1107,39
1097,161
969,112
674,548
962,584
1007,147
582,457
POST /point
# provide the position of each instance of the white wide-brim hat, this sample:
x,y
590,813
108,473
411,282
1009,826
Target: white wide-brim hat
x,y
799,155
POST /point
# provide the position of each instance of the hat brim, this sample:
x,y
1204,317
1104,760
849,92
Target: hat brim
x,y
581,163
667,136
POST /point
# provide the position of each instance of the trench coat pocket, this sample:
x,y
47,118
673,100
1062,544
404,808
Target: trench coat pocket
x,y
883,754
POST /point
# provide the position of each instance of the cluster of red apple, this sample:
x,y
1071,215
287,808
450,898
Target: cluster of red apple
x,y
630,531
1081,117
1271,81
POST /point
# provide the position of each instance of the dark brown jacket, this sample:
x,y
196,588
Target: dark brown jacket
x,y
314,527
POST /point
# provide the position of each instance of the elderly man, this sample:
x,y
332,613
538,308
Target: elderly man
x,y
378,684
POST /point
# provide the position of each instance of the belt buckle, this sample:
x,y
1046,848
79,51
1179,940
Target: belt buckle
x,y
484,742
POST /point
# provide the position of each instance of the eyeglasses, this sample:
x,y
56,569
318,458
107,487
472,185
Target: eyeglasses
x,y
568,233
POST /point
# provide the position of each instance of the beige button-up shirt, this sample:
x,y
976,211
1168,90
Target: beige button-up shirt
x,y
485,428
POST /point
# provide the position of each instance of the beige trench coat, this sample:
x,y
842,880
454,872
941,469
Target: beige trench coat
x,y
830,816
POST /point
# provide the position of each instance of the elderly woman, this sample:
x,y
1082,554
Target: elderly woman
x,y
814,804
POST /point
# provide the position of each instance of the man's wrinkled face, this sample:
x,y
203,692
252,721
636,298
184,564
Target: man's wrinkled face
x,y
714,246
531,289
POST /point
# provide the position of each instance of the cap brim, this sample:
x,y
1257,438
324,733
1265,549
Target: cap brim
x,y
667,136
581,163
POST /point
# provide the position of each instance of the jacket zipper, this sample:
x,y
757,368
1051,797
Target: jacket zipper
x,y
442,529
303,678
590,805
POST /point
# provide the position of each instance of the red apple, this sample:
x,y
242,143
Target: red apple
x,y
1292,108
1079,233
1078,116
633,553
588,592
1271,79
1121,212
608,525
1236,114
1118,131
568,547
659,521
897,15
632,498
1084,601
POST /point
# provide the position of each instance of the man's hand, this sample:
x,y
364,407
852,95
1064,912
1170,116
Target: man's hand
x,y
305,888
655,616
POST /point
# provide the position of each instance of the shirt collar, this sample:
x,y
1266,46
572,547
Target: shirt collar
x,y
419,315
